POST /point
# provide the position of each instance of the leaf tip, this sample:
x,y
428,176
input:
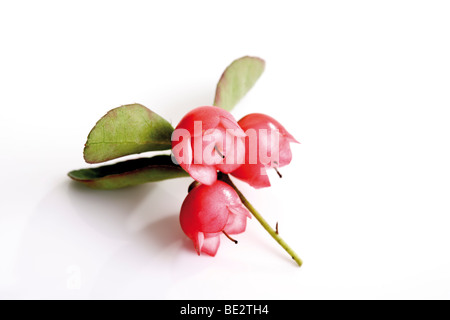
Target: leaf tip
x,y
230,89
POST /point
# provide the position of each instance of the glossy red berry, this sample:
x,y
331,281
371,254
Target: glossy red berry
x,y
209,211
267,146
207,140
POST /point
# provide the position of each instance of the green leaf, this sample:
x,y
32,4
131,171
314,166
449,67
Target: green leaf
x,y
237,80
129,173
127,130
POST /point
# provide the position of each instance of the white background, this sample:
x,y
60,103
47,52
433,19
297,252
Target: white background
x,y
364,85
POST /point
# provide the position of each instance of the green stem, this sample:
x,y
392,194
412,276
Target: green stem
x,y
262,221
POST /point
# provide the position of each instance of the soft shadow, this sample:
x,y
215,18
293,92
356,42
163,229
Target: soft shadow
x,y
113,210
107,210
147,260
161,233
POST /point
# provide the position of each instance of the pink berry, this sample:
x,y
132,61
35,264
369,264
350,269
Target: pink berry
x,y
209,211
206,140
267,146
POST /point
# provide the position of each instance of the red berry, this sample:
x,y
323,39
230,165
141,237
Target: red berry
x,y
206,140
267,146
208,211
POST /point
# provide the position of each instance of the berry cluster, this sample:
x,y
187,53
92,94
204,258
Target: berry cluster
x,y
208,144
209,140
